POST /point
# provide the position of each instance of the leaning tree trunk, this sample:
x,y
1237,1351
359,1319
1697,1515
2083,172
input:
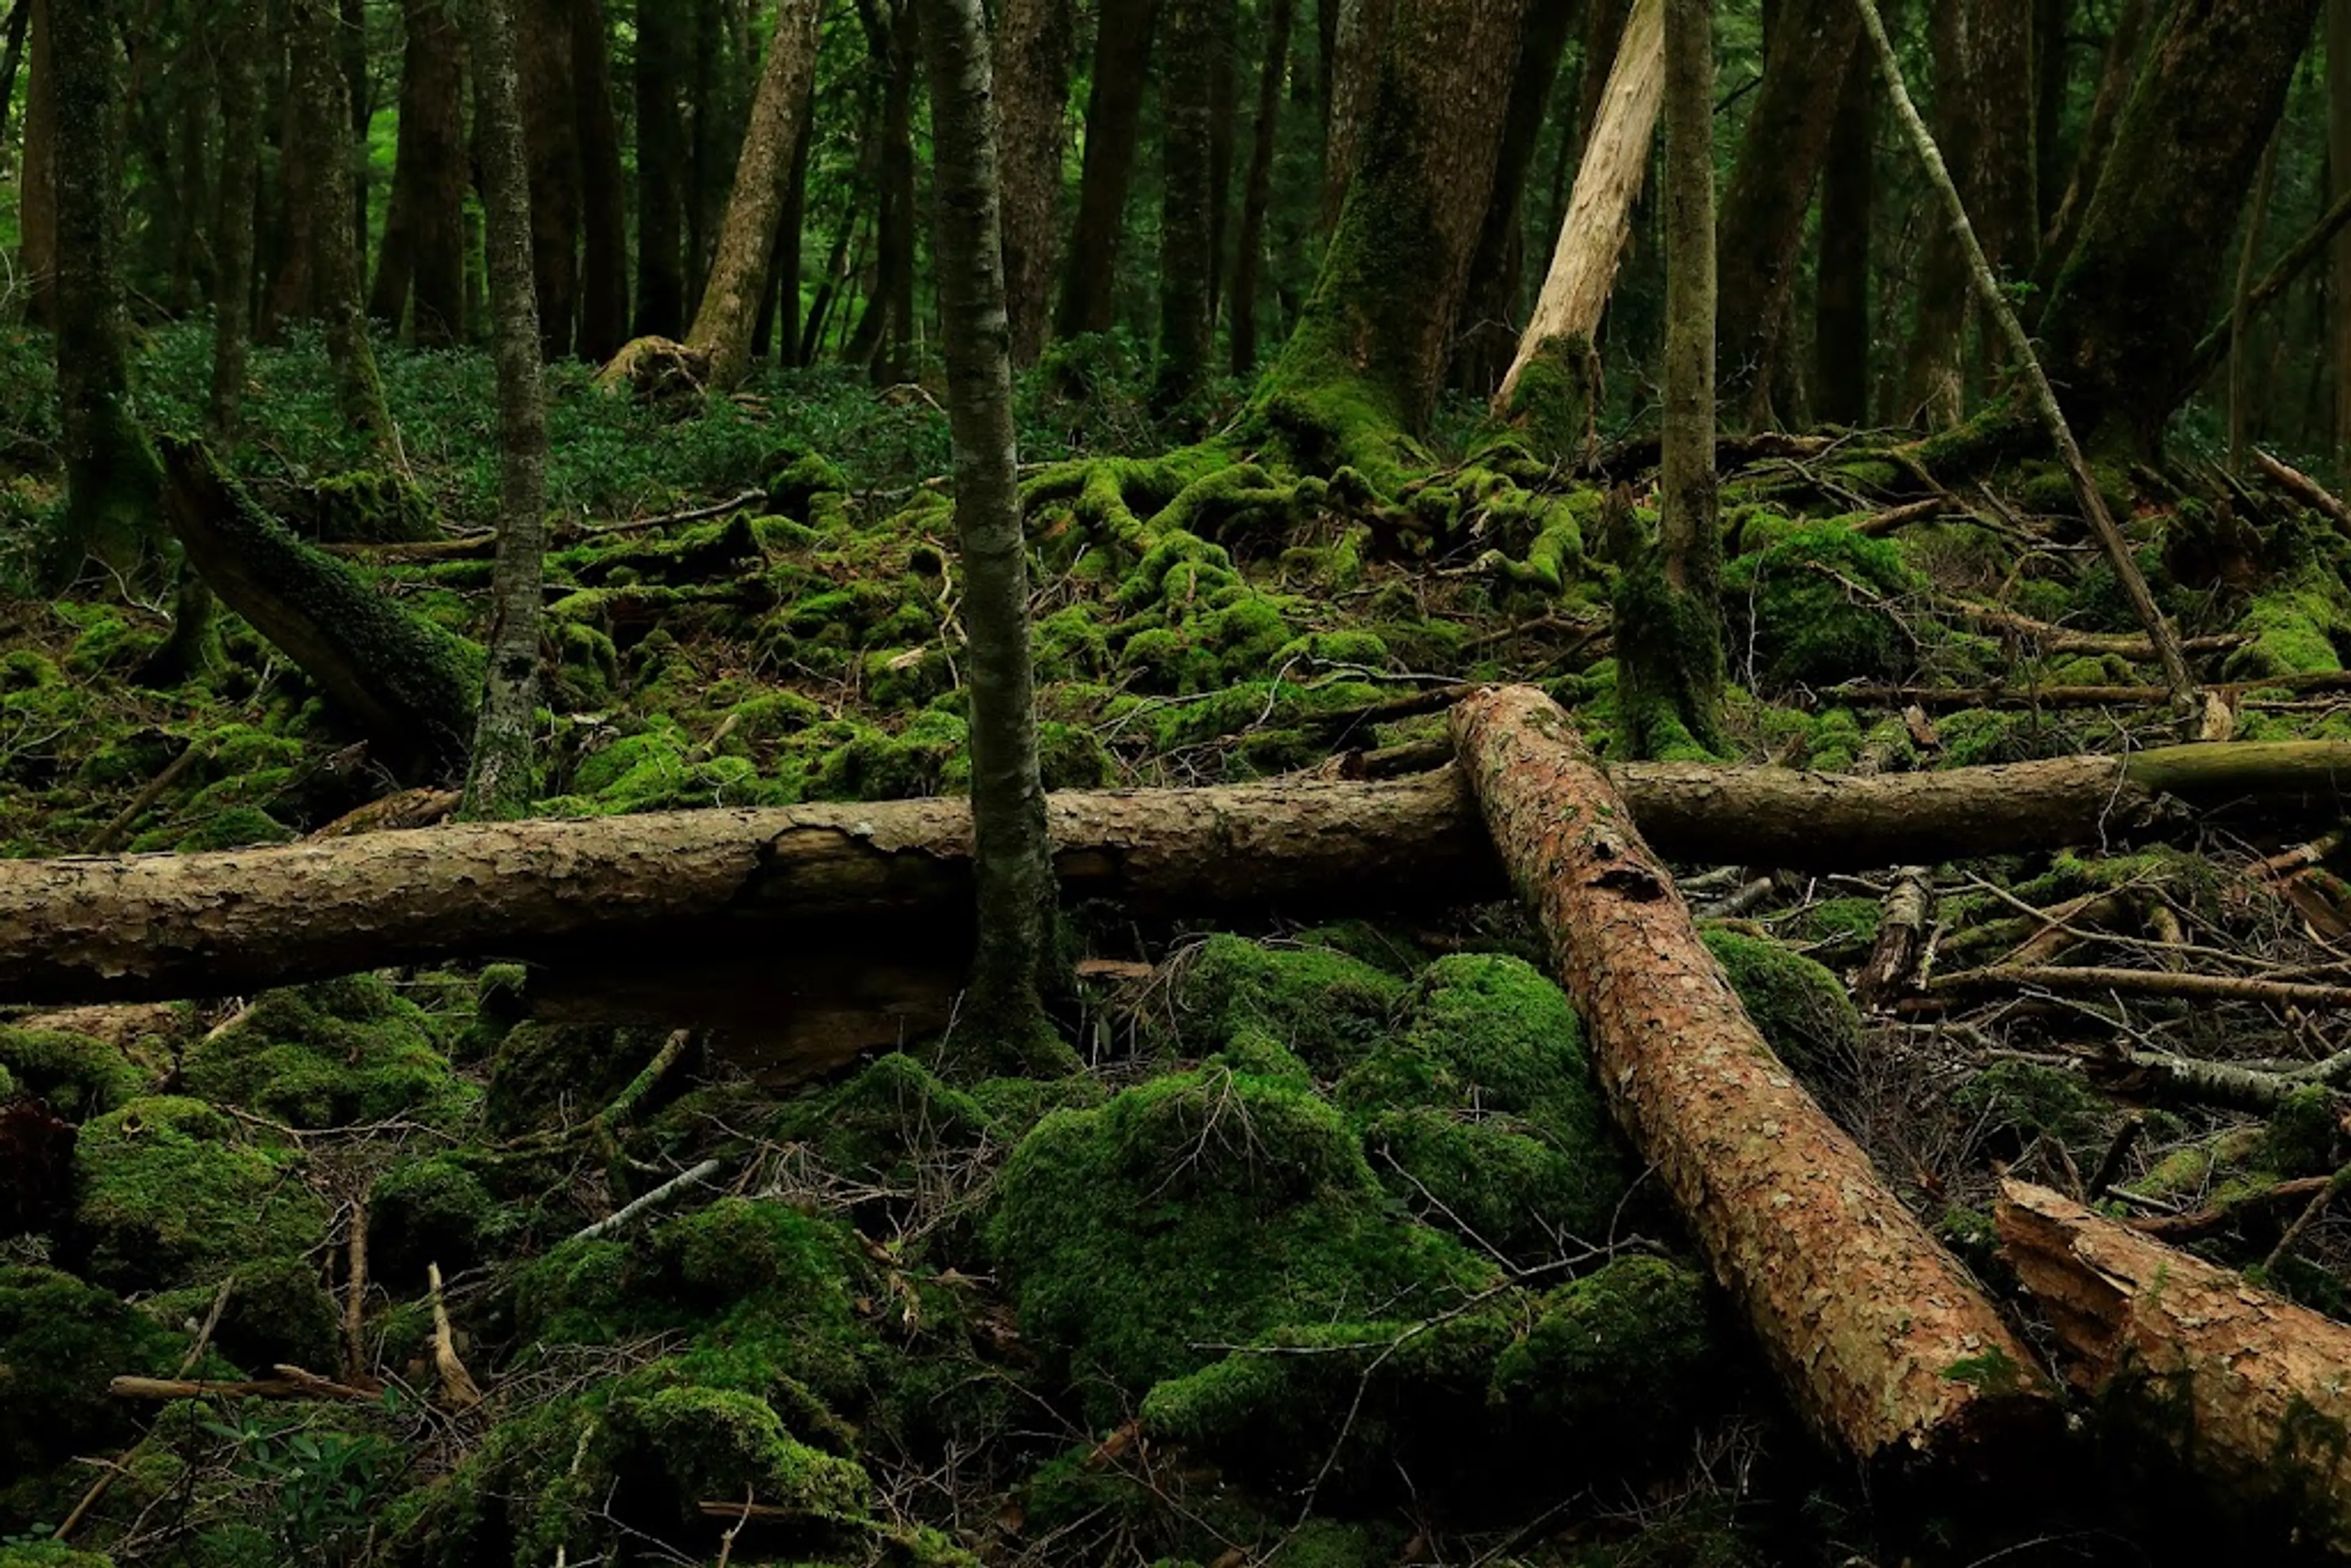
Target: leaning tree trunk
x,y
1934,385
2130,302
240,176
1114,119
1667,609
1780,155
498,780
1600,213
1034,42
1367,357
323,90
421,269
1013,857
1884,1343
111,478
2116,75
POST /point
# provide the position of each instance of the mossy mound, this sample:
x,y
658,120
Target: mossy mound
x,y
1319,1002
79,1075
549,1074
328,1055
62,1340
366,506
1821,606
168,1196
1804,1013
436,1209
277,1312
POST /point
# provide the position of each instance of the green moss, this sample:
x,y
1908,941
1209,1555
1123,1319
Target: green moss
x,y
876,1126
279,1312
1669,667
2302,1134
435,1210
364,508
1617,1367
235,828
62,1340
1821,606
166,1196
719,1443
555,1074
2030,1101
1324,1006
49,1554
1802,1013
331,1054
78,1076
2296,626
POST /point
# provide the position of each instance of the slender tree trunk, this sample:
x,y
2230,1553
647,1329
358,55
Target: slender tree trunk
x,y
422,271
499,782
1187,256
351,54
738,278
1113,118
1358,51
780,308
112,480
292,284
1035,42
2338,168
1934,389
1840,336
552,139
2257,217
713,146
2007,205
604,259
893,272
1012,859
662,168
836,268
19,28
1257,188
240,76
2158,230
334,259
1223,106
39,210
2052,57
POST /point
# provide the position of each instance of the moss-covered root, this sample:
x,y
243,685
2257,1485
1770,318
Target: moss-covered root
x,y
1551,404
412,685
1100,516
1669,660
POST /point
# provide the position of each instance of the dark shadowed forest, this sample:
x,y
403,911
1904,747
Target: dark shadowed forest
x,y
1175,783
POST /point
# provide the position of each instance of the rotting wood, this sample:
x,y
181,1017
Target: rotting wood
x,y
2092,981
291,1383
2247,1390
673,884
2213,1218
1903,923
1884,1345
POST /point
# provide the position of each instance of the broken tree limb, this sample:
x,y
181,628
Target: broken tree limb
x,y
1884,1345
1903,923
2088,981
666,886
2247,1390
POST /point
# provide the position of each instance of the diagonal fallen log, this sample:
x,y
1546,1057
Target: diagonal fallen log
x,y
1886,1345
2251,1393
663,885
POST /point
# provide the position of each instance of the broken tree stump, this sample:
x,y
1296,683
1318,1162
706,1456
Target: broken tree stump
x,y
1886,1345
2251,1393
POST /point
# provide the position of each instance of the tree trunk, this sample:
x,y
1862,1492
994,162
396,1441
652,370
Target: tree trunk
x,y
1356,56
2125,48
1780,160
1599,213
2051,81
147,927
1035,41
1841,333
662,167
421,271
334,260
738,278
1934,388
240,176
1113,118
551,133
1223,105
111,473
1186,254
2242,1391
1668,607
604,258
1012,856
1368,354
19,29
1884,1343
410,685
2006,204
2157,233
39,210
351,55
499,779
780,307
2338,166
1257,186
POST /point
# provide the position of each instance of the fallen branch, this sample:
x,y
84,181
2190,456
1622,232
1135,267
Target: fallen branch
x,y
2248,1390
620,1216
2200,1224
458,1390
2246,693
105,1477
291,1383
1902,928
107,837
2089,981
1886,1345
2056,639
2305,488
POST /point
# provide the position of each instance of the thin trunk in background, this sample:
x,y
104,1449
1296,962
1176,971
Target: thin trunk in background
x,y
1356,67
604,219
421,269
1114,119
1223,106
1187,257
552,142
291,288
19,28
240,77
1012,859
1934,389
2338,170
1257,188
1841,331
38,214
2257,217
351,55
320,85
2006,207
499,783
2134,21
2052,57
778,332
1035,41
663,49
738,278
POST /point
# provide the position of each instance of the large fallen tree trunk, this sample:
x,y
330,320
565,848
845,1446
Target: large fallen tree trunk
x,y
1884,1345
2250,1392
146,927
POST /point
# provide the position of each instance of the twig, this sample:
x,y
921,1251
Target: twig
x,y
105,1477
2110,1167
2098,982
691,515
621,1216
458,1386
107,837
2305,1219
355,1294
291,1383
2218,1217
2305,489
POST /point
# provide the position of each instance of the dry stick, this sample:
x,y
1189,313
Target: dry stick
x,y
668,519
107,837
620,1216
2110,1167
2090,981
105,1478
355,1296
458,1386
2212,1220
2305,489
291,1383
2305,1219
2177,678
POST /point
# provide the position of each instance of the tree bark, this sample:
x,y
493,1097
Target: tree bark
x,y
663,169
2006,204
1035,42
2243,1390
146,927
1356,54
2338,166
884,338
39,211
1114,119
322,88
1012,856
1780,155
552,131
1186,210
2125,46
605,249
499,779
1841,333
2157,229
1934,385
420,268
1256,187
1600,213
240,176
1884,1343
739,275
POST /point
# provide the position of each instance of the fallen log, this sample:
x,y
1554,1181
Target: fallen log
x,y
1884,1345
666,885
2248,1392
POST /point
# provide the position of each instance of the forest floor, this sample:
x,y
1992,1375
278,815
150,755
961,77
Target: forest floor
x,y
1324,1255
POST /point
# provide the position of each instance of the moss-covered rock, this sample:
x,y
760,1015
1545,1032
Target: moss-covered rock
x,y
330,1054
168,1196
62,1340
1322,1004
1804,1013
1820,607
79,1075
435,1210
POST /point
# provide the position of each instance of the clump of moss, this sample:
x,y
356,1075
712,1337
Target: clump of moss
x,y
1818,606
709,1443
330,1054
1802,1013
78,1076
2029,1100
62,1340
431,1211
1617,1365
2297,628
1322,1004
278,1312
168,1197
367,506
547,1074
2302,1134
